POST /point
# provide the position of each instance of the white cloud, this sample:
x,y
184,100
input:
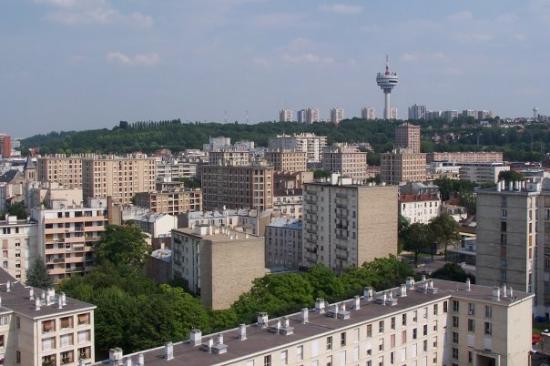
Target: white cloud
x,y
306,58
75,12
140,59
343,9
461,16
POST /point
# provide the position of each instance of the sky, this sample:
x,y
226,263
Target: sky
x,y
84,64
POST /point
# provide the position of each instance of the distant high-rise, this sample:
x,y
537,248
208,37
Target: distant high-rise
x,y
285,115
469,113
431,115
449,115
336,115
417,112
301,116
387,81
5,146
407,136
393,113
313,115
368,113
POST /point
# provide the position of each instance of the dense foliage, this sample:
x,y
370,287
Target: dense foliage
x,y
122,244
37,275
518,143
453,272
17,209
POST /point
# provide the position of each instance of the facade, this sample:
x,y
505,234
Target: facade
x,y
309,143
469,113
217,143
246,221
347,225
5,146
466,157
175,169
171,202
283,243
336,115
450,115
290,183
217,263
419,208
393,113
401,166
235,157
66,236
42,327
60,168
118,177
368,113
301,116
424,323
19,249
417,112
286,115
158,226
237,186
482,173
313,115
289,206
407,136
345,160
287,160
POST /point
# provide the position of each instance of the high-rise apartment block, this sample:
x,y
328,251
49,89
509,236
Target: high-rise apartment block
x,y
170,201
449,115
118,177
5,146
287,160
336,115
218,264
466,157
407,136
60,168
401,166
283,243
393,113
19,249
42,327
345,160
217,143
368,113
301,116
245,186
313,115
347,224
431,322
417,112
309,143
482,173
230,157
285,115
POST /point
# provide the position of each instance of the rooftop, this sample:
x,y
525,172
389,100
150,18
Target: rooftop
x,y
278,335
286,222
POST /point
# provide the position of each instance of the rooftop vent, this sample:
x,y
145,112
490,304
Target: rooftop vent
x,y
305,315
391,300
431,289
283,327
115,356
216,348
496,293
403,291
468,284
31,293
339,312
169,351
8,286
368,293
242,331
263,320
504,291
357,302
196,337
320,306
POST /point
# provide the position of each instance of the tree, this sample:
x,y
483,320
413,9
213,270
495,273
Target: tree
x,y
445,230
17,209
37,275
320,173
452,272
123,245
418,238
403,226
510,176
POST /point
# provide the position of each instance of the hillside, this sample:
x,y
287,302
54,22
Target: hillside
x,y
518,143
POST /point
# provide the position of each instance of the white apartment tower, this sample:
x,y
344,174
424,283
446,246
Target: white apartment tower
x,y
285,115
368,113
336,115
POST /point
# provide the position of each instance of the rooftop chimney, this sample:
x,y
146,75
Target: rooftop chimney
x,y
496,293
511,292
403,291
468,284
37,304
357,302
410,282
368,293
305,315
504,291
115,356
242,329
141,359
195,336
320,306
8,286
169,351
31,293
263,320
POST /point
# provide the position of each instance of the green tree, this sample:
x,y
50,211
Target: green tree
x,y
445,231
17,209
37,275
510,176
320,173
418,239
123,245
452,272
403,226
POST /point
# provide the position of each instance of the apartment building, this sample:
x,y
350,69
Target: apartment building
x,y
345,160
336,115
242,220
66,236
407,136
309,143
171,202
173,169
246,186
482,173
287,160
19,249
347,224
401,166
42,327
431,322
232,157
417,112
218,264
118,177
5,146
286,115
466,157
368,113
283,243
419,208
60,168
290,183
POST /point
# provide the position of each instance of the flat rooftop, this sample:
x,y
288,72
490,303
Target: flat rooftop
x,y
261,340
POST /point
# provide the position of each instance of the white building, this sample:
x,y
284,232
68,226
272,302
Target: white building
x,y
217,143
336,115
19,246
419,208
309,143
301,116
283,243
368,113
285,115
393,113
482,172
417,112
158,225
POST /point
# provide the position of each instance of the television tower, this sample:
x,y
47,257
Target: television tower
x,y
387,81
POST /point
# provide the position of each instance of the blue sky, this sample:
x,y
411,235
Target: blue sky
x,y
80,64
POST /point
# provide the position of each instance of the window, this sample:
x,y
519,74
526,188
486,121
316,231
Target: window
x,y
403,337
455,337
392,341
381,326
425,345
329,343
66,340
435,309
267,360
488,311
455,321
369,330
425,330
503,226
488,328
67,357
300,352
343,339
66,322
86,353
471,325
392,323
470,357
48,344
381,344
83,319
329,361
414,333
456,306
17,357
455,353
445,306
84,336
404,319
471,309
284,357
48,326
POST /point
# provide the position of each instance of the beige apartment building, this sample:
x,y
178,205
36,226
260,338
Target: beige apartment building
x,y
283,243
466,157
230,157
118,177
402,166
309,143
171,202
247,186
18,239
42,327
346,225
66,236
431,322
407,136
217,263
60,168
345,160
287,160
